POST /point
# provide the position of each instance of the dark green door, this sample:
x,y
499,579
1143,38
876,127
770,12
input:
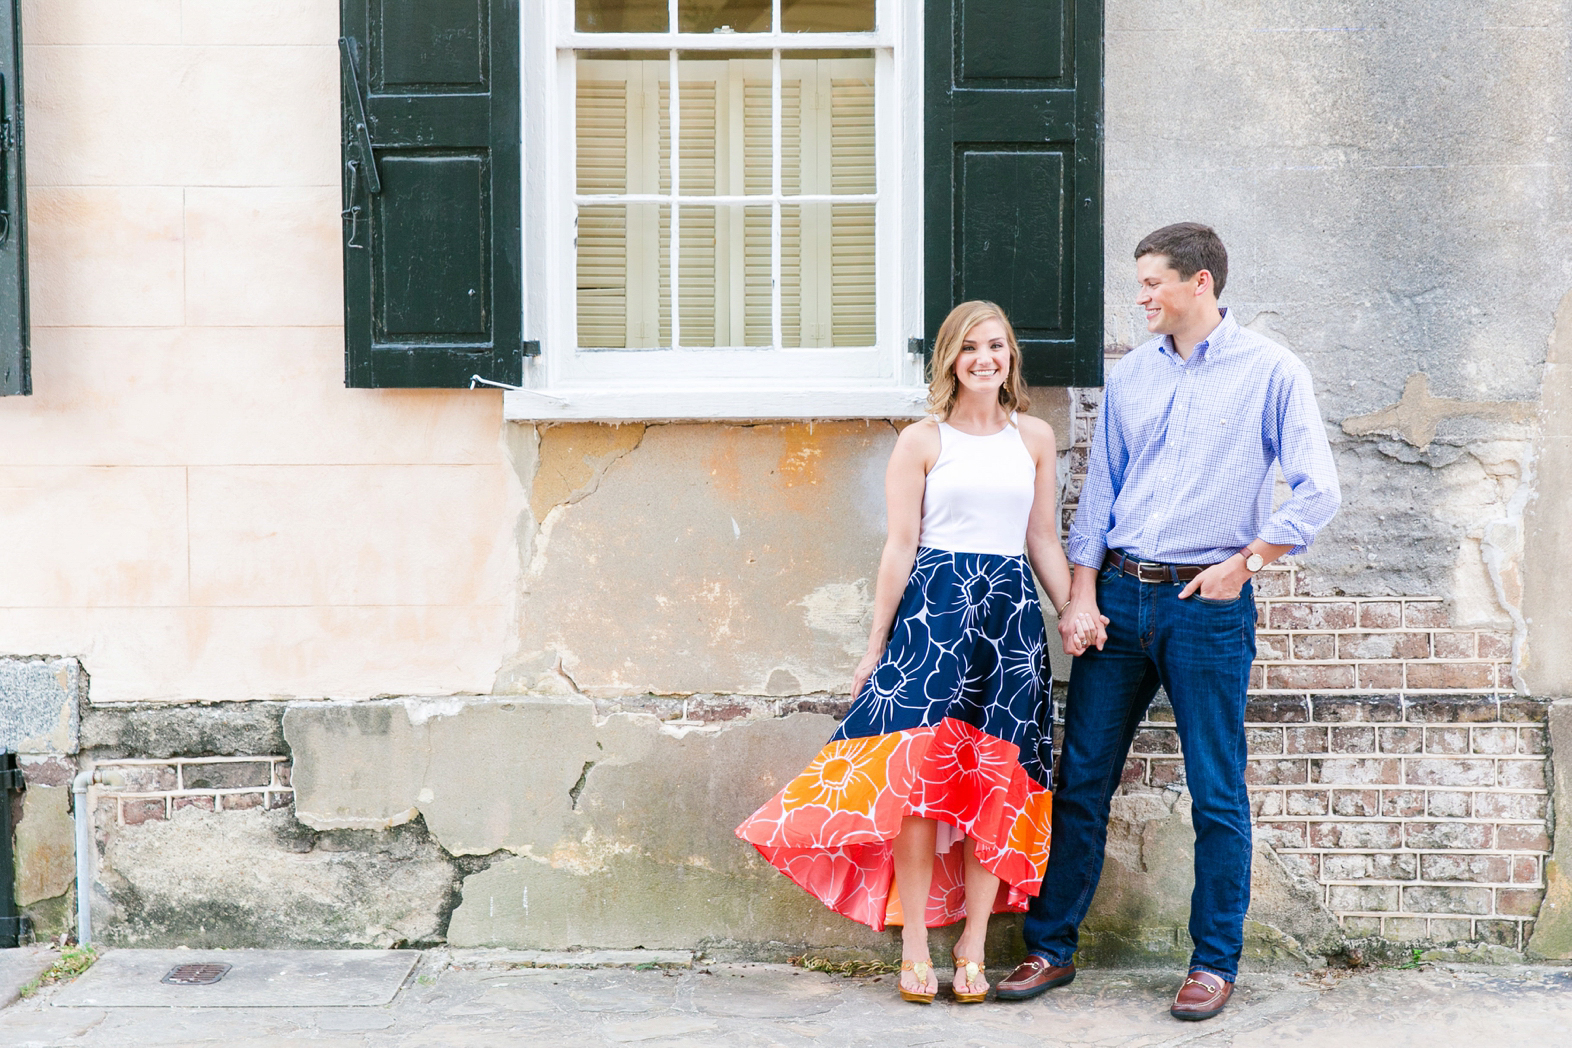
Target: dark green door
x,y
431,192
1013,168
15,373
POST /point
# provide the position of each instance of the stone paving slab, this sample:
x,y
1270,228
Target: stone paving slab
x,y
775,1006
20,966
503,960
256,979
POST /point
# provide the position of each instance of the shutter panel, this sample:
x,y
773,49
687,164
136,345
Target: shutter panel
x,y
1013,204
432,291
15,374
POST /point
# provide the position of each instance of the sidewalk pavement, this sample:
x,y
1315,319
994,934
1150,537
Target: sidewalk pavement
x,y
463,999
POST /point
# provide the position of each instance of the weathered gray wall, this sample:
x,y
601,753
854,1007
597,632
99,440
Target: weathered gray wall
x,y
1391,179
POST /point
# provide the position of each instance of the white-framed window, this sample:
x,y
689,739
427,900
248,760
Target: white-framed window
x,y
722,209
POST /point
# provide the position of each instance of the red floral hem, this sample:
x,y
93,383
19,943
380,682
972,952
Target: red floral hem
x,y
830,829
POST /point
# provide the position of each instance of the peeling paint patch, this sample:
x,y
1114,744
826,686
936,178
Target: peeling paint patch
x,y
574,458
1416,417
841,609
419,711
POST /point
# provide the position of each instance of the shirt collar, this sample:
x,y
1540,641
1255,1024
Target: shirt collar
x,y
1212,347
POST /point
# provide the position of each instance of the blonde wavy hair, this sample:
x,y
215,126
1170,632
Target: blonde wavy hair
x,y
942,385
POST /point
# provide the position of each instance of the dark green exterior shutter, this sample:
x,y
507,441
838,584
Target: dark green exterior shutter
x,y
1013,168
15,370
431,181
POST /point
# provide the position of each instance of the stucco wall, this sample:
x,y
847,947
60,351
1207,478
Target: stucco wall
x,y
196,508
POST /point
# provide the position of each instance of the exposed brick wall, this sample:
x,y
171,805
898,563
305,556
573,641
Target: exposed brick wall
x,y
156,789
1390,760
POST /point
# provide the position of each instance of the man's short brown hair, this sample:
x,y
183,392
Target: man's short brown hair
x,y
1189,247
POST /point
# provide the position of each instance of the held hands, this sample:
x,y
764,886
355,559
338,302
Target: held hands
x,y
1221,581
1082,626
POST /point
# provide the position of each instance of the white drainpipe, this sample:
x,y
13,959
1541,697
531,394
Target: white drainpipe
x,y
83,817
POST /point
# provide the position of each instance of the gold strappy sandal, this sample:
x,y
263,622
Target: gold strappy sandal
x,y
921,969
972,970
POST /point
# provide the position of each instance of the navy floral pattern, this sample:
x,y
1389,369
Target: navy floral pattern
x,y
968,644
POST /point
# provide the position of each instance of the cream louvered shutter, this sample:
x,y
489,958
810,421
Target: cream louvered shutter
x,y
852,225
602,167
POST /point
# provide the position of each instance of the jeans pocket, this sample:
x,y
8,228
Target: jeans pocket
x,y
1219,603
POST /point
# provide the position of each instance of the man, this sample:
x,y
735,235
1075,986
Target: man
x,y
1175,518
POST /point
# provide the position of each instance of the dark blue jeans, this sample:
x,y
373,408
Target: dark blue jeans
x,y
1200,652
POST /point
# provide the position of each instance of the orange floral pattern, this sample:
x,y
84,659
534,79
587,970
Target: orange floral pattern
x,y
830,829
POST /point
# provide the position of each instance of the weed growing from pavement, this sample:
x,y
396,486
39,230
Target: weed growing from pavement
x,y
847,969
73,961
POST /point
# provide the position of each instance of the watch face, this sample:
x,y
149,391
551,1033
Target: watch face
x,y
1255,562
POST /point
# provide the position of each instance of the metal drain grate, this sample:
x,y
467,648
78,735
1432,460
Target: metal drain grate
x,y
196,974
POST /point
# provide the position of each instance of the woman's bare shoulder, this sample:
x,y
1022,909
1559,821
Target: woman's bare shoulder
x,y
920,439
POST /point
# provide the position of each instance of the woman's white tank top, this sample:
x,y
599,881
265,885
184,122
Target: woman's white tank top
x,y
979,493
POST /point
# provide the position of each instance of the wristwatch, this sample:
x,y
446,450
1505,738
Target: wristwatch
x,y
1254,562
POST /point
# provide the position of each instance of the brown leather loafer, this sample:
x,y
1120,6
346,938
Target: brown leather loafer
x,y
1201,996
1031,977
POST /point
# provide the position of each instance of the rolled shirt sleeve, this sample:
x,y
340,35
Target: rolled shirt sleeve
x,y
1305,456
1105,466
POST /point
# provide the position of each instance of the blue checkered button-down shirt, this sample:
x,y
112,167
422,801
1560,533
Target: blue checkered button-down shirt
x,y
1181,463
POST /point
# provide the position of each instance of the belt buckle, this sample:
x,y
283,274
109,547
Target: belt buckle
x,y
1146,571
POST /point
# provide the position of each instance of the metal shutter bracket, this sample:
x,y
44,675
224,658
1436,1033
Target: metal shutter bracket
x,y
362,142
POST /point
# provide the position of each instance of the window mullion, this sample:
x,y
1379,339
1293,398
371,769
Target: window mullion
x,y
777,339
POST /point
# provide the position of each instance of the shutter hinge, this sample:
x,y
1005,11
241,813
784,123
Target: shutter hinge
x,y
532,347
917,346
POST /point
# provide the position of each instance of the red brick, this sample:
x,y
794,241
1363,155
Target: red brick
x,y
1522,838
1355,803
1495,646
1383,676
202,803
1315,646
1310,677
1446,740
1470,836
1283,834
1344,709
1274,584
1516,709
1448,771
1402,740
1480,869
1266,804
1521,775
137,810
1402,803
1383,645
1498,933
1380,615
1305,802
1262,609
1263,741
1510,805
143,778
1271,647
1452,709
1357,771
1448,804
1156,740
1276,709
1452,645
1493,740
1134,771
240,801
1425,615
282,771
1305,740
1171,773
1456,675
1320,615
1356,835
281,799
1394,866
1525,869
1353,740
1506,679
1429,898
1519,902
1271,772
1368,898
1450,930
1346,867
1531,740
1257,678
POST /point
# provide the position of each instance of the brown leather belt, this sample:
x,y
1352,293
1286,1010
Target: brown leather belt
x,y
1151,571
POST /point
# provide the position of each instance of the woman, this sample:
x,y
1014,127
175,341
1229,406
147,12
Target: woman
x,y
938,777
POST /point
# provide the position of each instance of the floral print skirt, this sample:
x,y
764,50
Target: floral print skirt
x,y
954,725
